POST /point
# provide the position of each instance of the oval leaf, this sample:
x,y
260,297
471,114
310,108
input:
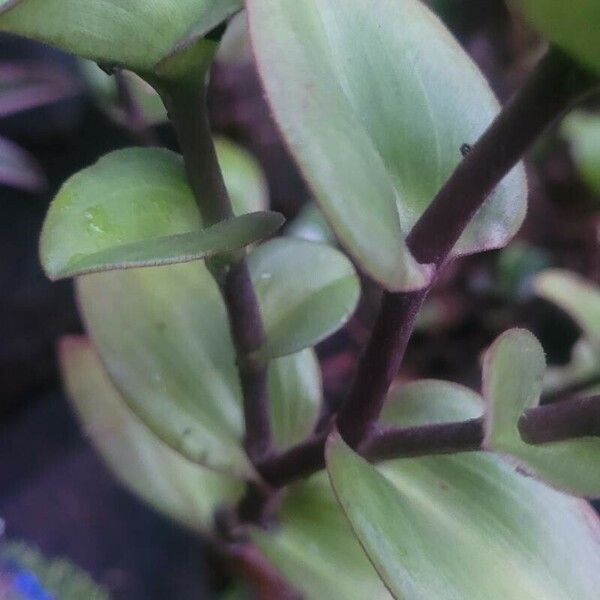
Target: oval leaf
x,y
306,291
576,296
176,487
375,104
169,351
134,208
573,26
464,526
582,130
512,380
136,34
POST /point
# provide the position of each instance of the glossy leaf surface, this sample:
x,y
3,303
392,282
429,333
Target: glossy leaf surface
x,y
512,379
571,25
464,526
135,208
307,291
375,104
169,351
160,476
310,224
136,34
576,296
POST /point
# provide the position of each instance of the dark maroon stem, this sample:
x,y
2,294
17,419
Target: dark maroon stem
x,y
570,419
556,83
187,111
564,420
443,438
554,86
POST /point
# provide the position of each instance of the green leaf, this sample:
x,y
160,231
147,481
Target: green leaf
x,y
310,224
226,236
244,177
174,486
582,130
463,526
576,296
104,91
307,291
136,34
168,349
314,548
375,104
571,25
512,378
44,578
296,392
134,208
583,365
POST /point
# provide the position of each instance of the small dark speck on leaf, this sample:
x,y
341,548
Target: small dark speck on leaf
x,y
523,471
187,431
465,149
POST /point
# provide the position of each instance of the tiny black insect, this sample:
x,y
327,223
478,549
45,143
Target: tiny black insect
x,y
465,149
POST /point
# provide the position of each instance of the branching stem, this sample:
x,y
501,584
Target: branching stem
x,y
555,85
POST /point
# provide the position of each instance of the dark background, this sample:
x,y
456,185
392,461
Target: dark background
x,y
55,493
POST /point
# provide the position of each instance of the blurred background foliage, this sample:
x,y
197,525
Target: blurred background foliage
x,y
58,115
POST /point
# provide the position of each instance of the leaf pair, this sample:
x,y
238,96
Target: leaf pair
x,y
465,526
168,349
162,333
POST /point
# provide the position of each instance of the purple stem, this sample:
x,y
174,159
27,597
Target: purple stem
x,y
555,85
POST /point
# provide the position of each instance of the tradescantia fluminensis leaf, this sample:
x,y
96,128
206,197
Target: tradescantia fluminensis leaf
x,y
581,300
375,104
576,296
310,224
463,526
169,351
582,130
136,34
25,574
306,290
571,25
160,476
315,550
134,208
512,380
